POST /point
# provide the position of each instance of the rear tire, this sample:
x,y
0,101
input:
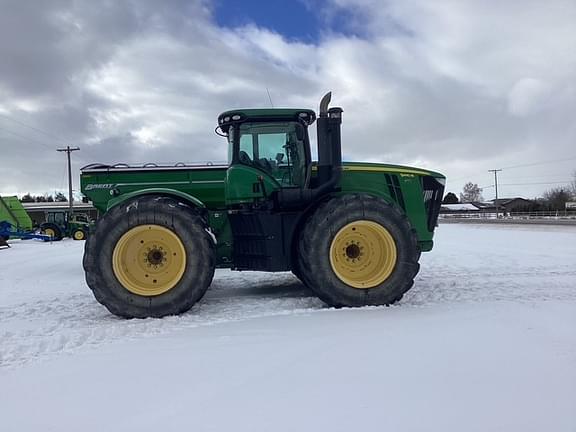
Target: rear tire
x,y
51,230
358,250
149,257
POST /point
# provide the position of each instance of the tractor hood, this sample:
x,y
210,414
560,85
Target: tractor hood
x,y
389,168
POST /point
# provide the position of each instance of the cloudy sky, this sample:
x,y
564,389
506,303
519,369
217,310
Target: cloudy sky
x,y
459,86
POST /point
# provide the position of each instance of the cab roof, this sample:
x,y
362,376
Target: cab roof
x,y
266,114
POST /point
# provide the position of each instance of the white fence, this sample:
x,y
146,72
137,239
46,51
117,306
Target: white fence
x,y
554,215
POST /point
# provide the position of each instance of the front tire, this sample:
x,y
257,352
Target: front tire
x,y
79,234
358,250
149,257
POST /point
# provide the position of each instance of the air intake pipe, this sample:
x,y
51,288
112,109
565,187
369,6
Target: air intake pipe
x,y
323,141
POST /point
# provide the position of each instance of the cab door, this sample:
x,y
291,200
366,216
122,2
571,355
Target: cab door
x,y
264,158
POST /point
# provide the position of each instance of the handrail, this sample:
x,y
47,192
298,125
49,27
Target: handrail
x,y
153,165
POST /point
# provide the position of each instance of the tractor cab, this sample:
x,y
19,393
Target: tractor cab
x,y
269,156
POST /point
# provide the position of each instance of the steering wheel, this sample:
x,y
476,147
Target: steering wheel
x,y
265,164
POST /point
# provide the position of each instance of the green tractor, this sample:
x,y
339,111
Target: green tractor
x,y
60,224
352,232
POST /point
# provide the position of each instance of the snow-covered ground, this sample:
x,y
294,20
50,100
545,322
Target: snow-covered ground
x,y
485,341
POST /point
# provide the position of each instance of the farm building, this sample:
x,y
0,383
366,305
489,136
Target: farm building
x,y
39,210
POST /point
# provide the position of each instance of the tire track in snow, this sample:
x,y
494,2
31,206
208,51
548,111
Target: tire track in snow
x,y
41,329
40,323
37,330
434,286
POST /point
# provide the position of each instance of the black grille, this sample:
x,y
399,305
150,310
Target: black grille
x,y
395,190
433,191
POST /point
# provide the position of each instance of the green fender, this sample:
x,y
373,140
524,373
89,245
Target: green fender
x,y
155,191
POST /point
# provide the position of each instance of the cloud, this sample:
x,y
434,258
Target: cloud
x,y
527,96
456,85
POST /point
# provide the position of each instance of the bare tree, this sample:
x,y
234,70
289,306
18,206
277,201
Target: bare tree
x,y
556,198
573,185
471,192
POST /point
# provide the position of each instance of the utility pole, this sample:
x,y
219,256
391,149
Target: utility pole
x,y
496,171
69,150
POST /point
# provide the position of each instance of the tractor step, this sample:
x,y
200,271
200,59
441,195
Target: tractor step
x,y
258,240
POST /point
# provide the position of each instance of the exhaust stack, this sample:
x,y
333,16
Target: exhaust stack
x,y
329,142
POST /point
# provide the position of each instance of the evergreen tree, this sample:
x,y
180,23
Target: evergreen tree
x,y
450,198
60,197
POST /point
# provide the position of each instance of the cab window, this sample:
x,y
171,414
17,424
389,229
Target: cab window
x,y
276,149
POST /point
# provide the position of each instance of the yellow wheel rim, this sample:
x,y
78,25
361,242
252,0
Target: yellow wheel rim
x,y
50,232
79,235
363,254
149,260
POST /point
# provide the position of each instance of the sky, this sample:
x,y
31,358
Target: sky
x,y
457,86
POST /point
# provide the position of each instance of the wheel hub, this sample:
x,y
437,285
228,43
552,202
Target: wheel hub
x,y
363,254
149,260
155,257
353,251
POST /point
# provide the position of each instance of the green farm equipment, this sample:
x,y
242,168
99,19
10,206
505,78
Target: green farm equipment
x,y
60,224
15,221
352,232
13,212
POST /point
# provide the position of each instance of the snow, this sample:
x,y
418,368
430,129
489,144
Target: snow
x,y
460,207
485,341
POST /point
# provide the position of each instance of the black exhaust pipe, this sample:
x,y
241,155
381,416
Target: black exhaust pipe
x,y
324,148
329,143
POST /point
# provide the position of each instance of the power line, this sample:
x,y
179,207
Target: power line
x,y
526,184
518,166
62,182
540,163
545,177
21,123
539,183
46,133
26,139
29,140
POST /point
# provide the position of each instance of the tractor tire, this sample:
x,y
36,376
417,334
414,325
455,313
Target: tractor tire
x,y
357,250
149,257
296,269
79,234
52,230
